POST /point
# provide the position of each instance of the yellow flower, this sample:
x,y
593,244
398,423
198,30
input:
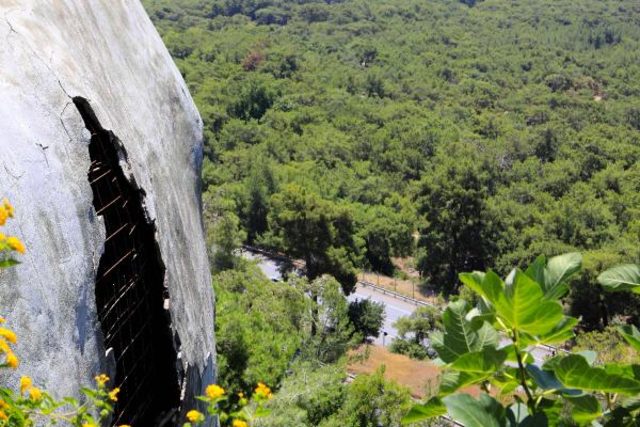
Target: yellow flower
x,y
3,215
113,394
101,379
9,335
25,383
4,347
3,404
239,423
124,425
89,425
7,207
3,416
12,360
35,393
2,319
263,391
195,416
15,244
214,391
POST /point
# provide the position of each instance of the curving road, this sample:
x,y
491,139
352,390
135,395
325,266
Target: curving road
x,y
394,309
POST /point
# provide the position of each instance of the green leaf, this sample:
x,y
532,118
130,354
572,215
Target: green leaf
x,y
261,412
585,408
489,285
574,372
552,409
5,263
624,277
433,408
536,269
452,381
632,335
460,335
511,354
558,270
503,383
589,355
546,380
485,412
552,275
629,371
486,361
562,332
526,310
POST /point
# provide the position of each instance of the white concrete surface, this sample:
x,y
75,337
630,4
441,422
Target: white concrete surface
x,y
108,52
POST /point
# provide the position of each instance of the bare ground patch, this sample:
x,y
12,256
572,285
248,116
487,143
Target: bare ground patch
x,y
421,377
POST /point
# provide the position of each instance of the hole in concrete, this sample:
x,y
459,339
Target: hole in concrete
x,y
130,291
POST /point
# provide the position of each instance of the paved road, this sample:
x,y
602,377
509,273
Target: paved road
x,y
269,267
394,309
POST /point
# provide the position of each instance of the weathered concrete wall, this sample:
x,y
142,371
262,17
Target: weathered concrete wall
x,y
108,52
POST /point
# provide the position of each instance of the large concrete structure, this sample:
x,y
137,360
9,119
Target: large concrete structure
x,y
100,153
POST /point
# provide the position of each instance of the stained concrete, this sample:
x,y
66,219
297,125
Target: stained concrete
x,y
108,52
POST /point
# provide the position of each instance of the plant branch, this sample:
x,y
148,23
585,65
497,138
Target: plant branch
x,y
523,376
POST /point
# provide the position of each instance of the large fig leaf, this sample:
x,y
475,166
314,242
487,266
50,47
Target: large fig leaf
x,y
431,409
585,409
546,380
488,285
632,335
552,275
484,412
536,269
489,360
461,335
452,380
527,310
573,371
557,271
562,332
521,304
624,277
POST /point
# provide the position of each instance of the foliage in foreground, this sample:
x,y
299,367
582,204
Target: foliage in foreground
x,y
29,405
490,346
231,411
319,396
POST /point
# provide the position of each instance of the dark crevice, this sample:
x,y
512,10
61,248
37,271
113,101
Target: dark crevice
x,y
131,298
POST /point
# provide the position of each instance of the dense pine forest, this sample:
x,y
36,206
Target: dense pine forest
x,y
494,131
458,135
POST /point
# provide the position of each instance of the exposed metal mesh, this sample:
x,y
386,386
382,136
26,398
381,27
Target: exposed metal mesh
x,y
130,293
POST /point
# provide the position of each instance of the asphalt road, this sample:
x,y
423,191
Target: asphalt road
x,y
269,267
394,309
